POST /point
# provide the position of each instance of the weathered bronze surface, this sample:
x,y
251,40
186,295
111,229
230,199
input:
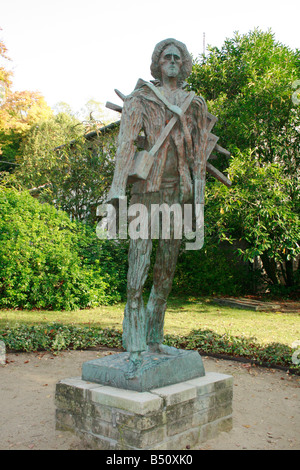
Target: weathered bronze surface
x,y
172,126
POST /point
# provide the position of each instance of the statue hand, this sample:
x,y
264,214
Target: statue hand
x,y
114,195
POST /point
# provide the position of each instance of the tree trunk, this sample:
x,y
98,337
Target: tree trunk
x,y
289,273
270,267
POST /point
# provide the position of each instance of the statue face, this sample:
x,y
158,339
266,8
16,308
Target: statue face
x,y
170,62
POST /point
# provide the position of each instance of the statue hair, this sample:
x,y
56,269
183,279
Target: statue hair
x,y
185,56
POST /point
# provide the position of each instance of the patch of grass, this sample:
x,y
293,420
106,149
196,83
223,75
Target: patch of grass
x,y
111,316
183,316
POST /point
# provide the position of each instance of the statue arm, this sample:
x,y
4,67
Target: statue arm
x,y
131,125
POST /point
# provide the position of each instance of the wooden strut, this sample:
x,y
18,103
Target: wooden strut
x,y
212,140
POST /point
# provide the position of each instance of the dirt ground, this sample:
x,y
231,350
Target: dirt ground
x,y
266,411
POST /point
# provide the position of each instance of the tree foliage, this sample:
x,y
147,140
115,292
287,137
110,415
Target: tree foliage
x,y
258,210
47,258
18,111
49,153
248,84
63,167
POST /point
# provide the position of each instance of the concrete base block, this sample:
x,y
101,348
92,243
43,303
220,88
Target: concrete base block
x,y
167,418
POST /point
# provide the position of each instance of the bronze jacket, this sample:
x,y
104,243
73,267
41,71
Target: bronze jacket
x,y
144,111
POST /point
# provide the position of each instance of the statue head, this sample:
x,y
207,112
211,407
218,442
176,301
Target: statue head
x,y
182,65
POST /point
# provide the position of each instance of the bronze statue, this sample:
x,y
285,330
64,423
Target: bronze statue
x,y
172,126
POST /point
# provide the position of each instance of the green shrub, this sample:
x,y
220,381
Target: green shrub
x,y
110,255
57,336
213,270
41,264
210,342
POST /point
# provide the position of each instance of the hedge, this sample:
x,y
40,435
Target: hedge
x,y
56,336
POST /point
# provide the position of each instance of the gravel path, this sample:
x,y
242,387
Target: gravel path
x,y
266,412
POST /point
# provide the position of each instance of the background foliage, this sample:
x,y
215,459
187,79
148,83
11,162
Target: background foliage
x,y
43,262
248,85
50,255
74,176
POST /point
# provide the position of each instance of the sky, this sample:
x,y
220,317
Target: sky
x,y
75,50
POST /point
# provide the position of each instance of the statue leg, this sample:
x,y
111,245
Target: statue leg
x,y
163,273
134,323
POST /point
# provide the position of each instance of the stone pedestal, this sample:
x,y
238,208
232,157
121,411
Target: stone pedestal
x,y
171,417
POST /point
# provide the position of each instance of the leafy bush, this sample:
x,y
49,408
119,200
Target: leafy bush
x,y
110,255
210,342
56,336
41,264
214,270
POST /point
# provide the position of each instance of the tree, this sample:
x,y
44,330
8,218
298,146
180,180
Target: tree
x,y
83,175
248,85
74,172
38,158
18,111
5,75
94,113
258,209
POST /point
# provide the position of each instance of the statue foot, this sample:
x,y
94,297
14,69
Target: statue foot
x,y
158,348
135,362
